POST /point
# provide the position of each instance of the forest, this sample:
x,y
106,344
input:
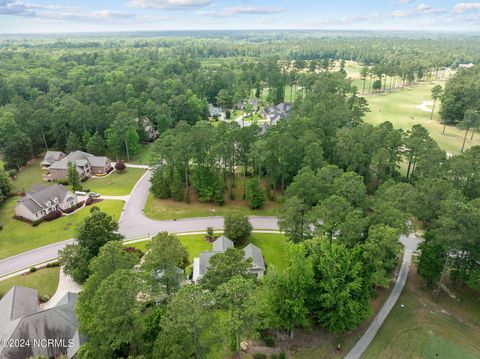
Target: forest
x,y
347,189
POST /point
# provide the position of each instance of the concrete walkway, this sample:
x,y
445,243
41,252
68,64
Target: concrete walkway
x,y
65,284
410,244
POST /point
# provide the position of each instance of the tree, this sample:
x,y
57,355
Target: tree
x,y
255,194
96,145
470,120
165,253
237,227
287,295
17,150
122,137
73,177
224,99
305,186
293,219
224,266
75,260
161,183
351,187
73,143
237,299
190,326
331,214
431,259
436,94
5,185
364,71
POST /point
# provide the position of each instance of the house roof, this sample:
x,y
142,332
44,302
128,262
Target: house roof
x,y
252,251
37,199
221,244
80,159
21,320
97,161
52,156
204,261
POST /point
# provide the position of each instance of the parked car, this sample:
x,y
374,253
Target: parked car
x,y
94,194
81,193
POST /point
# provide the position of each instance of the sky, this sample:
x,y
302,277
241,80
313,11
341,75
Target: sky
x,y
60,16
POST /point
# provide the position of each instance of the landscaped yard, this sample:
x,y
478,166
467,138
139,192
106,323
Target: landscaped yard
x,y
271,244
425,329
44,280
144,157
400,108
17,237
28,176
115,184
170,209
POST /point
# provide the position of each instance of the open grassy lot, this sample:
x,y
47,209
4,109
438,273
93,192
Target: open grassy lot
x,y
425,329
400,108
271,244
44,280
17,237
28,176
115,184
144,157
170,209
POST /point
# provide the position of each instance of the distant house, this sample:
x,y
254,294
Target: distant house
x,y
23,322
201,263
148,127
241,105
215,112
85,163
277,113
43,200
51,157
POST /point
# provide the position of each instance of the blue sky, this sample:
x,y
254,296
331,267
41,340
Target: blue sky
x,y
39,16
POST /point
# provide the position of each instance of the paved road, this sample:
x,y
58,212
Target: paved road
x,y
133,224
410,244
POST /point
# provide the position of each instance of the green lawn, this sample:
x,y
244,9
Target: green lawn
x,y
271,244
28,176
400,108
17,237
425,329
144,157
116,184
44,280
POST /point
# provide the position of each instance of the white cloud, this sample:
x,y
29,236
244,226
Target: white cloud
x,y
404,1
423,7
241,10
399,13
169,4
460,8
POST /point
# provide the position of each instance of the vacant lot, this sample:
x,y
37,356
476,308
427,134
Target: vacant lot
x,y
17,237
115,184
400,108
425,329
44,280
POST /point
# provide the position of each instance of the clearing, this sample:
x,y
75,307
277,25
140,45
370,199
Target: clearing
x,y
44,280
117,183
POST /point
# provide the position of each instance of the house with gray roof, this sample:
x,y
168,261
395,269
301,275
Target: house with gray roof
x,y
85,163
216,112
42,200
51,332
221,244
277,113
147,125
51,157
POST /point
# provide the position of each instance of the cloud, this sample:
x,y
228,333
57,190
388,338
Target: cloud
x,y
423,7
404,1
169,4
420,10
460,8
241,10
268,20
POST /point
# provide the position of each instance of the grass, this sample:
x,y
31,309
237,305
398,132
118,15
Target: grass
x,y
449,328
169,209
271,244
17,237
400,109
28,176
116,184
144,157
44,280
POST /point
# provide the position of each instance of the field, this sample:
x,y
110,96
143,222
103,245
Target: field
x,y
425,329
400,108
44,280
115,184
17,237
271,244
28,176
170,209
144,157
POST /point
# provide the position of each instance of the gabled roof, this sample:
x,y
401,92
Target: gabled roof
x,y
37,199
221,244
52,156
253,252
204,260
97,161
80,159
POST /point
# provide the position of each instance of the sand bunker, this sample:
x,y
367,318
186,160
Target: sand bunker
x,y
425,106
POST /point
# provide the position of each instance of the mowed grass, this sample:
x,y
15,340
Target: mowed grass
x,y
425,329
44,280
144,157
400,108
17,237
169,209
118,183
272,246
29,176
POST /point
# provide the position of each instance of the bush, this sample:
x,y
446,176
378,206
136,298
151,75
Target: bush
x,y
12,173
210,237
120,166
1,226
255,194
137,251
269,341
44,298
37,222
33,269
74,208
53,265
282,355
237,227
273,356
88,201
52,215
259,356
63,181
228,114
83,179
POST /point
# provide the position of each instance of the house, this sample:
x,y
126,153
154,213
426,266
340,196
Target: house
x,y
241,105
85,163
147,125
277,113
51,332
51,157
215,112
43,200
201,263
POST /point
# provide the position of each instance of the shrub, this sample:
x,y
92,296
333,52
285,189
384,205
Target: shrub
x,y
237,227
53,265
63,181
282,355
120,166
269,341
33,269
12,173
134,250
274,356
74,208
259,356
255,194
37,222
52,215
88,201
44,298
1,226
83,179
209,237
228,114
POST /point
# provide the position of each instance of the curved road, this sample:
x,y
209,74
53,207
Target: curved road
x,y
132,224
